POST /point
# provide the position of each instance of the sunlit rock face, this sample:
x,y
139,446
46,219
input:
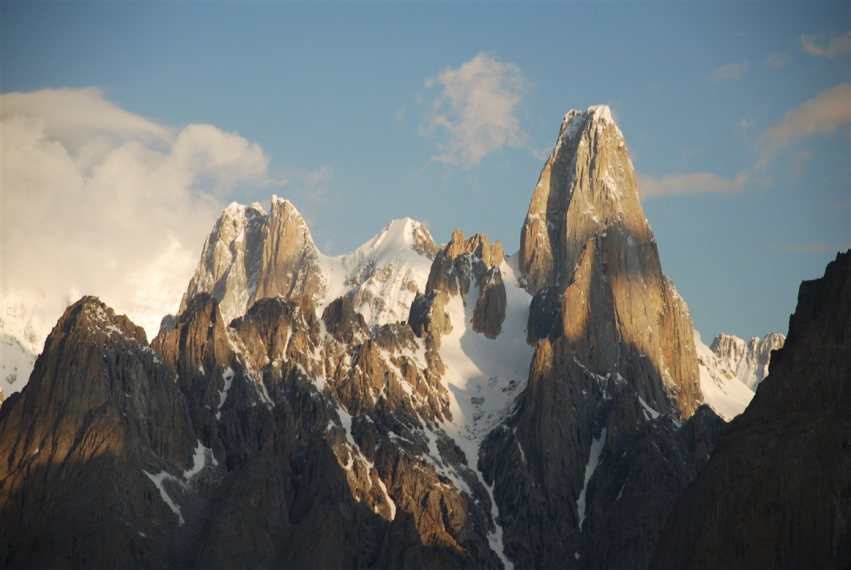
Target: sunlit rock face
x,y
251,255
609,429
586,240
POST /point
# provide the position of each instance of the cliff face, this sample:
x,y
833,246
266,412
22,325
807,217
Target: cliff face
x,y
587,469
589,257
100,420
777,490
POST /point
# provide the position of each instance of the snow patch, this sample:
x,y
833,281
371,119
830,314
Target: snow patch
x,y
722,389
159,480
649,413
597,446
223,395
200,459
382,276
484,376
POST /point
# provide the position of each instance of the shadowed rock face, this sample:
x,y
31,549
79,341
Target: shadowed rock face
x,y
233,446
777,490
99,415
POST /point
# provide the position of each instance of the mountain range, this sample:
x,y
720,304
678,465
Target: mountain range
x,y
411,404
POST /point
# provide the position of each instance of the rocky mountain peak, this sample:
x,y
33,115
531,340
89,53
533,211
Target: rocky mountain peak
x,y
252,255
747,359
90,316
469,265
588,255
403,233
587,184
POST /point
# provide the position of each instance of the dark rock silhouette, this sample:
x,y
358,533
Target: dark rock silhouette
x,y
777,491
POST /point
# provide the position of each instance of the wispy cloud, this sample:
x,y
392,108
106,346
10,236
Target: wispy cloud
x,y
475,109
99,200
776,59
836,47
744,126
731,71
827,112
693,183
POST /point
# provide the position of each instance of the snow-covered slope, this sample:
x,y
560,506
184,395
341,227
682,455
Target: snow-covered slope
x,y
722,390
383,275
20,342
484,376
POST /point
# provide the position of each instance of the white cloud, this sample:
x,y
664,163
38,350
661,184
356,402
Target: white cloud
x,y
838,46
826,113
693,183
77,117
475,108
734,70
98,200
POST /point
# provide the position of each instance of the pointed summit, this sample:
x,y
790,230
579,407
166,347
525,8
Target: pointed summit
x,y
589,256
251,255
587,184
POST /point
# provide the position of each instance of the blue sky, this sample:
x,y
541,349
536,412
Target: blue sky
x,y
736,116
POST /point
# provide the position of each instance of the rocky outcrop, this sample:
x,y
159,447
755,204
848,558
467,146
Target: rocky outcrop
x,y
472,263
91,449
748,360
777,490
